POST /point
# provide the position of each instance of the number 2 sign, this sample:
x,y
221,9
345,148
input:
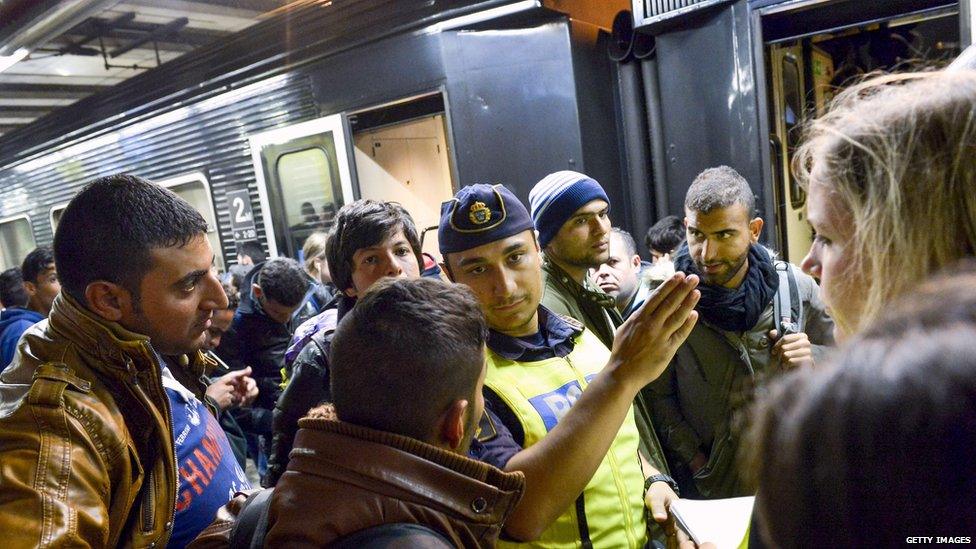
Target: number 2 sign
x,y
241,215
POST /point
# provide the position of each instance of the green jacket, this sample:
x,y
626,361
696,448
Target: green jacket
x,y
700,401
587,303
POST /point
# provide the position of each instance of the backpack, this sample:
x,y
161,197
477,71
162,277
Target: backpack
x,y
787,305
252,527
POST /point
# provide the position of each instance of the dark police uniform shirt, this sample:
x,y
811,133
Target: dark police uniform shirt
x,y
500,435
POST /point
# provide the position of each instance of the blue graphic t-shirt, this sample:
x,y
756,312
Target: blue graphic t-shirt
x,y
209,474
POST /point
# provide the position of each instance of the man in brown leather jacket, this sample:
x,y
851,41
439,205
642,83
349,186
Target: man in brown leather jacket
x,y
394,450
86,439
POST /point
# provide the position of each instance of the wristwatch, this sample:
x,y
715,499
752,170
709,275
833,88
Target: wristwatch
x,y
661,478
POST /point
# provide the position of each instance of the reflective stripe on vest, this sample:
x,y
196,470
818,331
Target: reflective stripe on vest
x,y
539,394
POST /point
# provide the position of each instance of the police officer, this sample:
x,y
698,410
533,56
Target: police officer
x,y
558,402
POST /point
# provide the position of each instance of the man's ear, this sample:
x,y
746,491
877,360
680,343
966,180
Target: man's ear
x,y
109,300
257,291
30,288
635,261
755,227
452,424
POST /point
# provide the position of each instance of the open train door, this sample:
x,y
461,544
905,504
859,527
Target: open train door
x,y
304,175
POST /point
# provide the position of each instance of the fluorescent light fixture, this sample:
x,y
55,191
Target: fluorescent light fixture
x,y
482,16
7,61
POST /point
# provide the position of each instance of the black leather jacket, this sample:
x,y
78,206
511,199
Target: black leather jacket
x,y
308,386
258,341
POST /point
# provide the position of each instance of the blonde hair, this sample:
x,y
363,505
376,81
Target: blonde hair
x,y
899,154
314,248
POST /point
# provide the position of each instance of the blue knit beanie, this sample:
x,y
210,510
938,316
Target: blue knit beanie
x,y
557,197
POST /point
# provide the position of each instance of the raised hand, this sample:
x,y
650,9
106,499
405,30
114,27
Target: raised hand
x,y
646,343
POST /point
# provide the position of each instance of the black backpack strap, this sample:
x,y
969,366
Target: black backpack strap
x,y
252,521
389,536
787,306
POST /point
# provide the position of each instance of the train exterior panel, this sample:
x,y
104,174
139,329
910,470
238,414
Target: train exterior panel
x,y
509,89
521,88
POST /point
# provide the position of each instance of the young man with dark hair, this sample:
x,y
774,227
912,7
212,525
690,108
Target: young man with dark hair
x,y
100,444
759,317
370,240
664,237
571,213
391,452
249,254
12,292
16,317
258,338
663,240
620,276
558,401
40,282
272,291
40,279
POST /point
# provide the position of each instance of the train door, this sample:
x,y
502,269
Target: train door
x,y
304,176
402,154
811,55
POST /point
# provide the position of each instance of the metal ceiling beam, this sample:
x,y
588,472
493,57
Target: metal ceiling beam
x,y
125,28
166,30
7,111
47,91
30,23
260,6
187,37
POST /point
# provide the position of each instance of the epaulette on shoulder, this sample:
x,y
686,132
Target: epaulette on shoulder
x,y
50,381
576,325
486,429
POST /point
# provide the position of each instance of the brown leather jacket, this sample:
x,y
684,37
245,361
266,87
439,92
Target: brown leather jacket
x,y
86,442
343,478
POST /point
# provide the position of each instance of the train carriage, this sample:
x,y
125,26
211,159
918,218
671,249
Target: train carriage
x,y
269,131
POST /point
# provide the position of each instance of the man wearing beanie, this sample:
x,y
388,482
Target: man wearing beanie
x,y
557,400
571,213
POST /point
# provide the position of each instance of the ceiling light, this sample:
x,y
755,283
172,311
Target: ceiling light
x,y
7,61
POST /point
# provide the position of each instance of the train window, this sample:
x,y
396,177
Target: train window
x,y
792,116
17,241
307,188
56,213
793,98
195,189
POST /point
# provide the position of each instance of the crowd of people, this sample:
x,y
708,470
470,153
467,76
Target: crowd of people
x,y
539,385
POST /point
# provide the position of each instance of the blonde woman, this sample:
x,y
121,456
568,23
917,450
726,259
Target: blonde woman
x,y
314,253
890,172
878,446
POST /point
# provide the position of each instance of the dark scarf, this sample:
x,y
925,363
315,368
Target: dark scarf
x,y
735,309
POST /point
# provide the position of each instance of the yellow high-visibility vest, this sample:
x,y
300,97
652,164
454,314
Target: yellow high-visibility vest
x,y
539,394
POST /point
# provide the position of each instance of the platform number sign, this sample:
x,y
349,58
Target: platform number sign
x,y
241,215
